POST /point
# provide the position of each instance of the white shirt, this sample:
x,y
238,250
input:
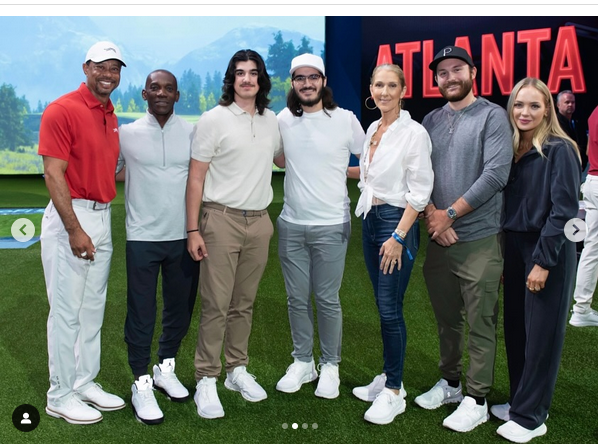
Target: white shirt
x,y
401,169
317,148
157,161
240,149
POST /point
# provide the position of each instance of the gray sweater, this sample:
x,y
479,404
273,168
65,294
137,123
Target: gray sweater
x,y
473,162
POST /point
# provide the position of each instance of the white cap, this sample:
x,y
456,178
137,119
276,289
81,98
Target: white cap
x,y
307,61
103,51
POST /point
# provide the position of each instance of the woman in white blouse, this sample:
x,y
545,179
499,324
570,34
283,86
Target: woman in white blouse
x,y
396,181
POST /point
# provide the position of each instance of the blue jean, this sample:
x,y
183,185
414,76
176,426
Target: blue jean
x,y
389,289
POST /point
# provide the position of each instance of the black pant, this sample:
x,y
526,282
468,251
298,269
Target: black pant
x,y
180,276
534,327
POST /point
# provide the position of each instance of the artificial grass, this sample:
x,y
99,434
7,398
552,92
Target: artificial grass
x,y
23,354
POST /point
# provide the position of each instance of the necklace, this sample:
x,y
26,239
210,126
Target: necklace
x,y
453,122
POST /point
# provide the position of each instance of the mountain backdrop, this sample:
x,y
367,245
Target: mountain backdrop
x,y
42,56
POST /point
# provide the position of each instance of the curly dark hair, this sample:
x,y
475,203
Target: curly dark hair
x,y
294,104
228,84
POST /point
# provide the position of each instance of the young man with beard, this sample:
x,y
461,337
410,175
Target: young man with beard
x,y
314,226
78,140
154,157
229,177
471,158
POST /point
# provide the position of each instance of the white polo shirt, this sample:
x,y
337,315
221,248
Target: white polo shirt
x,y
240,149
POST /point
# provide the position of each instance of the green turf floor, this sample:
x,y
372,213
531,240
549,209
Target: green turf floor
x,y
24,373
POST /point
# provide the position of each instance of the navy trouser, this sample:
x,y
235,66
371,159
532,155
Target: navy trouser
x,y
180,277
534,326
389,289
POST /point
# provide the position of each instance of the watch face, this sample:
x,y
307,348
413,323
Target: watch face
x,y
450,211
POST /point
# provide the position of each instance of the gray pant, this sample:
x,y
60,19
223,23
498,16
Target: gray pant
x,y
313,259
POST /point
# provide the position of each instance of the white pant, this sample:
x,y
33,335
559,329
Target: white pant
x,y
587,270
77,296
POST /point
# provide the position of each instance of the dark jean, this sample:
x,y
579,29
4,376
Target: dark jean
x,y
389,289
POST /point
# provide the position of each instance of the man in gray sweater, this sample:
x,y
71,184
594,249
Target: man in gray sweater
x,y
471,158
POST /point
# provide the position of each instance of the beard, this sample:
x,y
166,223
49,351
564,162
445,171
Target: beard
x,y
313,101
466,87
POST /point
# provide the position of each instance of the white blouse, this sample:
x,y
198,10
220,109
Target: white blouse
x,y
401,169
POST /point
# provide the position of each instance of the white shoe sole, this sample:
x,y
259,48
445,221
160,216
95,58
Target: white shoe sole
x,y
147,421
540,431
296,388
169,396
72,420
582,324
373,398
327,396
387,419
206,415
453,400
470,428
231,386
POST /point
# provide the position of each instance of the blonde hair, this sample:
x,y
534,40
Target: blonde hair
x,y
394,68
549,127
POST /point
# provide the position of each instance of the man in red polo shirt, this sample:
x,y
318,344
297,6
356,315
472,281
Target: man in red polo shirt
x,y
79,144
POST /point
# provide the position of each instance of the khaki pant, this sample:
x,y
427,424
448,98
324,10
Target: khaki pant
x,y
237,243
463,282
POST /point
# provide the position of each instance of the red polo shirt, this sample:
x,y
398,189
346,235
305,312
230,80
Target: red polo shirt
x,y
77,128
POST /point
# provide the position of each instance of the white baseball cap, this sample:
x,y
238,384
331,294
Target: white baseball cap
x,y
103,51
307,61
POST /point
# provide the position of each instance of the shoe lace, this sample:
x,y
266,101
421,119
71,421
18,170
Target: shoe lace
x,y
147,395
243,378
204,390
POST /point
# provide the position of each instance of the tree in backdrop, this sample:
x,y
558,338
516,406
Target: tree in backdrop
x,y
280,54
13,109
190,89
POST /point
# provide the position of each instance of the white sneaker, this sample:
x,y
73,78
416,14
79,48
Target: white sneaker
x,y
369,392
441,393
468,416
298,373
240,381
166,381
98,398
587,319
385,407
501,411
144,402
73,411
329,381
516,433
206,399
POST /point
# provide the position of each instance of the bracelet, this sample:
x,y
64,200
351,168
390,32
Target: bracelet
x,y
396,237
401,233
192,231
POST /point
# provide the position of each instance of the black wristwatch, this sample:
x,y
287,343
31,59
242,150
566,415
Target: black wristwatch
x,y
450,212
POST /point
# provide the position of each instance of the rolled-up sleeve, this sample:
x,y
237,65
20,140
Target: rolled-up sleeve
x,y
419,173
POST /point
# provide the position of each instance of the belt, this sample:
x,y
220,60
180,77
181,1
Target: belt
x,y
91,204
225,209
